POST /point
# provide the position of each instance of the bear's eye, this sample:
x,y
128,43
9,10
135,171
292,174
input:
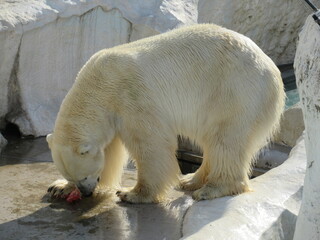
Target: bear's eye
x,y
98,179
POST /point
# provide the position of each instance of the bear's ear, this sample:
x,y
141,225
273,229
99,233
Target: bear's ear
x,y
86,148
49,139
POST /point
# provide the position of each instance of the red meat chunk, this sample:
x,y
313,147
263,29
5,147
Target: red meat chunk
x,y
75,195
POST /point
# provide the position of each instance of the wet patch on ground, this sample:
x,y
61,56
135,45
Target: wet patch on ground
x,y
26,170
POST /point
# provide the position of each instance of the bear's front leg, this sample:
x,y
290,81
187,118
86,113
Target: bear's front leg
x,y
150,188
60,188
157,170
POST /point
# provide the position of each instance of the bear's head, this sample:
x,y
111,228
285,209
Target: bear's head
x,y
81,164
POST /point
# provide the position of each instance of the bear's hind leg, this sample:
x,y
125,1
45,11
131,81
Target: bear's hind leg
x,y
229,164
157,170
194,181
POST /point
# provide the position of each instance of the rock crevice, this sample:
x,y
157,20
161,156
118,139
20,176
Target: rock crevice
x,y
16,113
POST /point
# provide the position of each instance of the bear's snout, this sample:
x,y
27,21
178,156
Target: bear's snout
x,y
85,192
87,186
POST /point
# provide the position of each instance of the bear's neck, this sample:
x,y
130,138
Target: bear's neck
x,y
83,117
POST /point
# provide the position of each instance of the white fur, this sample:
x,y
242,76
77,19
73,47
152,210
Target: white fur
x,y
204,82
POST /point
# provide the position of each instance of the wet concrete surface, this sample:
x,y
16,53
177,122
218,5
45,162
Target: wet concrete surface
x,y
26,212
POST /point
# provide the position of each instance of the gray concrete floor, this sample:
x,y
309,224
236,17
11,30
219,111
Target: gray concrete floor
x,y
26,212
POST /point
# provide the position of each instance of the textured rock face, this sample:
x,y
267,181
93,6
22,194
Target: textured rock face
x,y
47,72
291,126
307,71
272,24
45,43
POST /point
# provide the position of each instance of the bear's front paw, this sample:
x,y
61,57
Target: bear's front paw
x,y
133,197
60,188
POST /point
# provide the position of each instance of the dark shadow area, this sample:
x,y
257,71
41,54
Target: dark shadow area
x,y
269,157
11,132
97,218
56,222
27,214
29,150
288,77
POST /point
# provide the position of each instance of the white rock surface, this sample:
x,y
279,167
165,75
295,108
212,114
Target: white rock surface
x,y
268,212
47,72
272,156
44,43
291,126
274,25
307,71
9,46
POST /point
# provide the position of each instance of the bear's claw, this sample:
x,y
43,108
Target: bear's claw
x,y
123,196
50,189
60,188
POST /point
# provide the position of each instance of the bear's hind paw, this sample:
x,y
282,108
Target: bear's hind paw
x,y
189,182
208,191
133,197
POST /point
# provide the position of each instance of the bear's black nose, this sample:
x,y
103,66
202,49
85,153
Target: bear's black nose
x,y
85,192
88,194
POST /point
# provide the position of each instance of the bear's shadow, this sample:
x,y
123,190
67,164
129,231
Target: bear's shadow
x,y
98,218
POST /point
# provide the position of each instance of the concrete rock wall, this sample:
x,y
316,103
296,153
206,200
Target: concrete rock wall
x,y
307,69
44,43
291,126
274,25
47,72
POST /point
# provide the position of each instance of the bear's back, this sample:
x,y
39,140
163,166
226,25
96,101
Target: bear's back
x,y
200,68
180,75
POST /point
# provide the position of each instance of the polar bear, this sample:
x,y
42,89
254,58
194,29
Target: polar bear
x,y
204,82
